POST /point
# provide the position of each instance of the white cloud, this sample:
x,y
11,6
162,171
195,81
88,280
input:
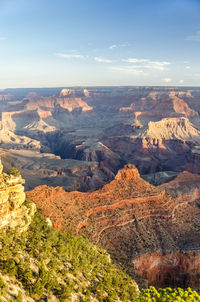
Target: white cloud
x,y
2,38
148,64
69,56
187,67
140,66
117,46
113,46
102,60
195,37
181,81
167,80
158,64
133,60
129,69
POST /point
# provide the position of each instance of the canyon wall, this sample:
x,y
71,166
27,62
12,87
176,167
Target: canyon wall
x,y
14,212
146,230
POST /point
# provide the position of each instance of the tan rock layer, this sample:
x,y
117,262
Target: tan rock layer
x,y
13,211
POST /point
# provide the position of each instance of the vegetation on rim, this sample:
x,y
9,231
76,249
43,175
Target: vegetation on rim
x,y
47,264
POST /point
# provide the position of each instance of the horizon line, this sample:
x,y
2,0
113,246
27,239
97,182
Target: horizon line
x,y
91,86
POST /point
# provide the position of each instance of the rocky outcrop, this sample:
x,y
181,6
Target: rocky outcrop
x,y
143,228
66,92
129,172
40,126
86,93
126,191
108,216
50,104
172,128
73,103
159,104
13,210
10,139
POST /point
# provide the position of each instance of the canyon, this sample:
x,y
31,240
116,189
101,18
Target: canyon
x,y
71,144
78,138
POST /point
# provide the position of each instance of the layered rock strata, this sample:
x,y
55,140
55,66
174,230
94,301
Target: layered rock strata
x,y
13,210
133,220
156,129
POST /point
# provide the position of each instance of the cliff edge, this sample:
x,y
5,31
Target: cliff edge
x,y
14,212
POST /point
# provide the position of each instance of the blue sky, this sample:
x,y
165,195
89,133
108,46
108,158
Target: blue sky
x,y
99,42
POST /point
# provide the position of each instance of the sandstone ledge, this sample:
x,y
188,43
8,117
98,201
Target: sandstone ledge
x,y
13,210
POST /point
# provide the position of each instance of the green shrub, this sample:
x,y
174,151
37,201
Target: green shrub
x,y
18,298
2,284
65,265
56,256
168,295
9,267
13,171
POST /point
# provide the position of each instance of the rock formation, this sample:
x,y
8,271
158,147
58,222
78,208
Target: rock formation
x,y
67,102
172,128
13,210
80,138
66,92
143,228
156,129
129,172
10,139
72,103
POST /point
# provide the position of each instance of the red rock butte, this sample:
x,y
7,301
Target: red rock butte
x,y
132,219
129,172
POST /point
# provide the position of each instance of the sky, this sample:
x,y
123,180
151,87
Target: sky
x,y
58,43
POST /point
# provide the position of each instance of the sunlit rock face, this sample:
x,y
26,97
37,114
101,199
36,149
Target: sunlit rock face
x,y
66,92
73,103
129,172
172,128
13,212
86,92
143,228
95,131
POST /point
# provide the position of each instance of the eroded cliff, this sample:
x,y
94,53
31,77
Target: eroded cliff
x,y
133,220
14,212
156,129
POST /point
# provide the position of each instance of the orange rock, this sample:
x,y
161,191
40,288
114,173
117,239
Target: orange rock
x,y
129,172
138,223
